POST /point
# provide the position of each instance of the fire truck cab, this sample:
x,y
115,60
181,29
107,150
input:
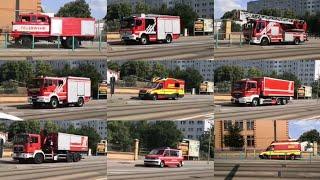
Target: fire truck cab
x,y
164,89
150,28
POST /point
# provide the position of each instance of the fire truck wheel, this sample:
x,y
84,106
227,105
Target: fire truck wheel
x,y
283,101
278,101
26,41
144,40
264,41
38,158
70,157
180,164
161,164
68,43
255,102
168,39
76,157
296,41
54,102
154,97
80,102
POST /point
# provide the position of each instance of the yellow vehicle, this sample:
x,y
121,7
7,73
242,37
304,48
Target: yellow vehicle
x,y
102,148
282,150
164,89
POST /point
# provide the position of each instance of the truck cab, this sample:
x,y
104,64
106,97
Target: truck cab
x,y
164,157
27,146
244,91
163,89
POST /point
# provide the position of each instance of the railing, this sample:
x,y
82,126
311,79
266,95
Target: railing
x,y
228,39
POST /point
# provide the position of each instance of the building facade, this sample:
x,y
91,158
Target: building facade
x,y
300,7
9,9
192,129
204,8
257,134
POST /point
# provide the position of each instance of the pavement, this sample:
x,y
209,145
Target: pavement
x,y
130,170
93,110
266,169
184,48
129,107
93,168
295,110
306,51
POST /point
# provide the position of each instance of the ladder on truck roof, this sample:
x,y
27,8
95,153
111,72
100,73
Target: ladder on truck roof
x,y
243,15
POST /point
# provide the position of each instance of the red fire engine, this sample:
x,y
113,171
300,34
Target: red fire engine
x,y
263,30
265,90
150,28
38,27
59,90
53,147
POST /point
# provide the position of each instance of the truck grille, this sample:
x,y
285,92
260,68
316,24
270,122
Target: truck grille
x,y
18,149
237,95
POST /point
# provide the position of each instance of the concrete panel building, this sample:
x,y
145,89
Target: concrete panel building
x,y
9,9
300,7
192,129
257,134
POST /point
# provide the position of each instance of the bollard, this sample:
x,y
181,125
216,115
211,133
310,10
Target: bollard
x,y
72,43
32,42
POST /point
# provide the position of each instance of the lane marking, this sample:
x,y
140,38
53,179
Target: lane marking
x,y
193,117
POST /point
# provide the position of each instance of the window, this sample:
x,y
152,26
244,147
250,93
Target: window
x,y
239,124
174,153
250,125
167,153
227,124
177,85
34,140
250,141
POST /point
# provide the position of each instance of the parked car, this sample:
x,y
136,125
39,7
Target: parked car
x,y
164,157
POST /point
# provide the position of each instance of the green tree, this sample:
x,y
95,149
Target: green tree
x,y
3,127
204,143
118,11
16,70
278,13
158,70
51,127
119,135
113,66
43,69
254,72
186,13
229,74
18,127
192,77
139,69
310,136
141,8
77,8
234,139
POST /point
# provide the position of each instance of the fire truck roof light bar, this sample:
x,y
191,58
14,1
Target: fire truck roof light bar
x,y
251,16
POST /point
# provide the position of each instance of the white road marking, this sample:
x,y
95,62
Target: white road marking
x,y
194,117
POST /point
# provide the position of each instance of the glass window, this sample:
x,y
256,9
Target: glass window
x,y
239,124
250,141
250,125
34,140
227,124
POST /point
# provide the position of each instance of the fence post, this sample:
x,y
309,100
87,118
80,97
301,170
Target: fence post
x,y
5,40
100,39
217,39
32,42
230,42
59,42
72,43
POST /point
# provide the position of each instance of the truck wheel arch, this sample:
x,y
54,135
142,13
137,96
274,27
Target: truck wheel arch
x,y
264,41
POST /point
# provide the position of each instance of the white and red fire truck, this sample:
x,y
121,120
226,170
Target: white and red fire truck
x,y
263,30
53,147
147,28
59,90
36,27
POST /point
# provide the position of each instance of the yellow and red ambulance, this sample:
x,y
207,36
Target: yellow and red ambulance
x,y
168,88
282,150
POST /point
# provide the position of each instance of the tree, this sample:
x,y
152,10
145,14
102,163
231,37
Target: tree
x,y
16,70
310,136
43,69
191,76
229,73
93,136
118,11
234,139
113,66
23,127
254,72
119,135
158,70
77,8
141,8
139,69
278,13
232,15
50,127
186,13
3,127
204,143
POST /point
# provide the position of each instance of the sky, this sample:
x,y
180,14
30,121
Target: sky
x,y
98,7
298,127
222,6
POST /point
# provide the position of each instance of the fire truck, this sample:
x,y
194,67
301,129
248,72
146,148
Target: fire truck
x,y
146,28
68,30
164,89
263,30
264,90
52,146
282,150
53,91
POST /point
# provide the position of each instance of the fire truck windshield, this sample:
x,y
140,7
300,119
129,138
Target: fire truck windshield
x,y
127,23
36,83
239,86
156,152
20,139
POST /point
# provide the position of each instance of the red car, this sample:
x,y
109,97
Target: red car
x,y
164,157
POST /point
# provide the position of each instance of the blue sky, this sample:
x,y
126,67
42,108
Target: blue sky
x,y
298,127
222,6
98,7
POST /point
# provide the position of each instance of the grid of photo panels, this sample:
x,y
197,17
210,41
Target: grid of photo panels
x,y
97,90
266,77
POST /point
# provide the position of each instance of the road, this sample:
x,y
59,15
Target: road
x,y
93,168
185,48
307,51
118,170
191,107
93,110
266,169
296,110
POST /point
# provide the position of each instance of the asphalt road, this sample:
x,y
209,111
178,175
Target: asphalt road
x,y
93,168
185,48
266,169
191,107
118,170
94,110
307,51
295,110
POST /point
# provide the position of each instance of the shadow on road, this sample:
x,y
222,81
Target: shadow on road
x,y
232,172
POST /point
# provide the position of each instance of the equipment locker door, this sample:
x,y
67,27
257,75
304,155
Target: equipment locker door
x,y
161,34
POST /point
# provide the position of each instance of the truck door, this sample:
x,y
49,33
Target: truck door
x,y
251,89
34,142
167,158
